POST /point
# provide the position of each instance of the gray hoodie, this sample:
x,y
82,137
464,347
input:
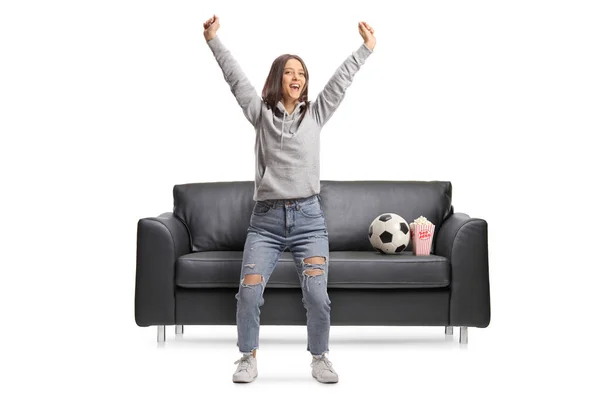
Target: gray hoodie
x,y
287,153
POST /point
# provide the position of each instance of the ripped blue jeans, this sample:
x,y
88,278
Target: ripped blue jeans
x,y
297,224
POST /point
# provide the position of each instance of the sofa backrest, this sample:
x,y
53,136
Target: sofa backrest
x,y
217,214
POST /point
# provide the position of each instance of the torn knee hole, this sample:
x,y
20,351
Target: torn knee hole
x,y
252,279
314,271
315,260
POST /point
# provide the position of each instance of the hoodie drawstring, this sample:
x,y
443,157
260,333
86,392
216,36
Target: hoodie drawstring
x,y
282,122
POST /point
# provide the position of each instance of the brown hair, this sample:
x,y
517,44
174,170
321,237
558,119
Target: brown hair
x,y
271,93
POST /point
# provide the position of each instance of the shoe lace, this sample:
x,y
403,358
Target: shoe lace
x,y
244,362
326,364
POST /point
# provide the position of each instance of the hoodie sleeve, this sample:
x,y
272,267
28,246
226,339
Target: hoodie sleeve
x,y
332,94
244,92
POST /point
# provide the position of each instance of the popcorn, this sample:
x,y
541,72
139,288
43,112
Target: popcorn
x,y
421,234
422,220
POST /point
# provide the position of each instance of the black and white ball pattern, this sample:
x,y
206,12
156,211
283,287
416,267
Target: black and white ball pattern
x,y
389,233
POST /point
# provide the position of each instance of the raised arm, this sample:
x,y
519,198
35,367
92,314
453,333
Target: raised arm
x,y
244,92
334,91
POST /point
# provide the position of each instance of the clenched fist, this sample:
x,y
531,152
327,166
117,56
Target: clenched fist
x,y
210,27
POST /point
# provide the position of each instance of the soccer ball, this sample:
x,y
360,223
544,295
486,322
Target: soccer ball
x,y
389,233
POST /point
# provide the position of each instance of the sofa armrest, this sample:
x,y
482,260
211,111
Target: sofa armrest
x,y
160,242
464,242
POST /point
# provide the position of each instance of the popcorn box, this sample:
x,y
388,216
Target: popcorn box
x,y
421,236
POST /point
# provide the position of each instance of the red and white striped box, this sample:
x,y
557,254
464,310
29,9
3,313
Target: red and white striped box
x,y
421,236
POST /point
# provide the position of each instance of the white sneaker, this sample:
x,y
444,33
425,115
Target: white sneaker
x,y
247,371
323,371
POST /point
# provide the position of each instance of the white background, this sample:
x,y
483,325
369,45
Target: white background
x,y
105,105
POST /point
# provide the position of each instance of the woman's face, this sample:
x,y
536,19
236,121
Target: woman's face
x,y
293,76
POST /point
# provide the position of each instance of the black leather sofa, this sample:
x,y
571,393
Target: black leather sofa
x,y
189,260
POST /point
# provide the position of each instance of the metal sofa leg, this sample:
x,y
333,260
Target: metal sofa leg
x,y
160,333
449,330
463,335
179,329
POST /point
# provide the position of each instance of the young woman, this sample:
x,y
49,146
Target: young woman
x,y
287,211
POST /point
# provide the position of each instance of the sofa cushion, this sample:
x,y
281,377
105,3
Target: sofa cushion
x,y
217,214
347,269
351,206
